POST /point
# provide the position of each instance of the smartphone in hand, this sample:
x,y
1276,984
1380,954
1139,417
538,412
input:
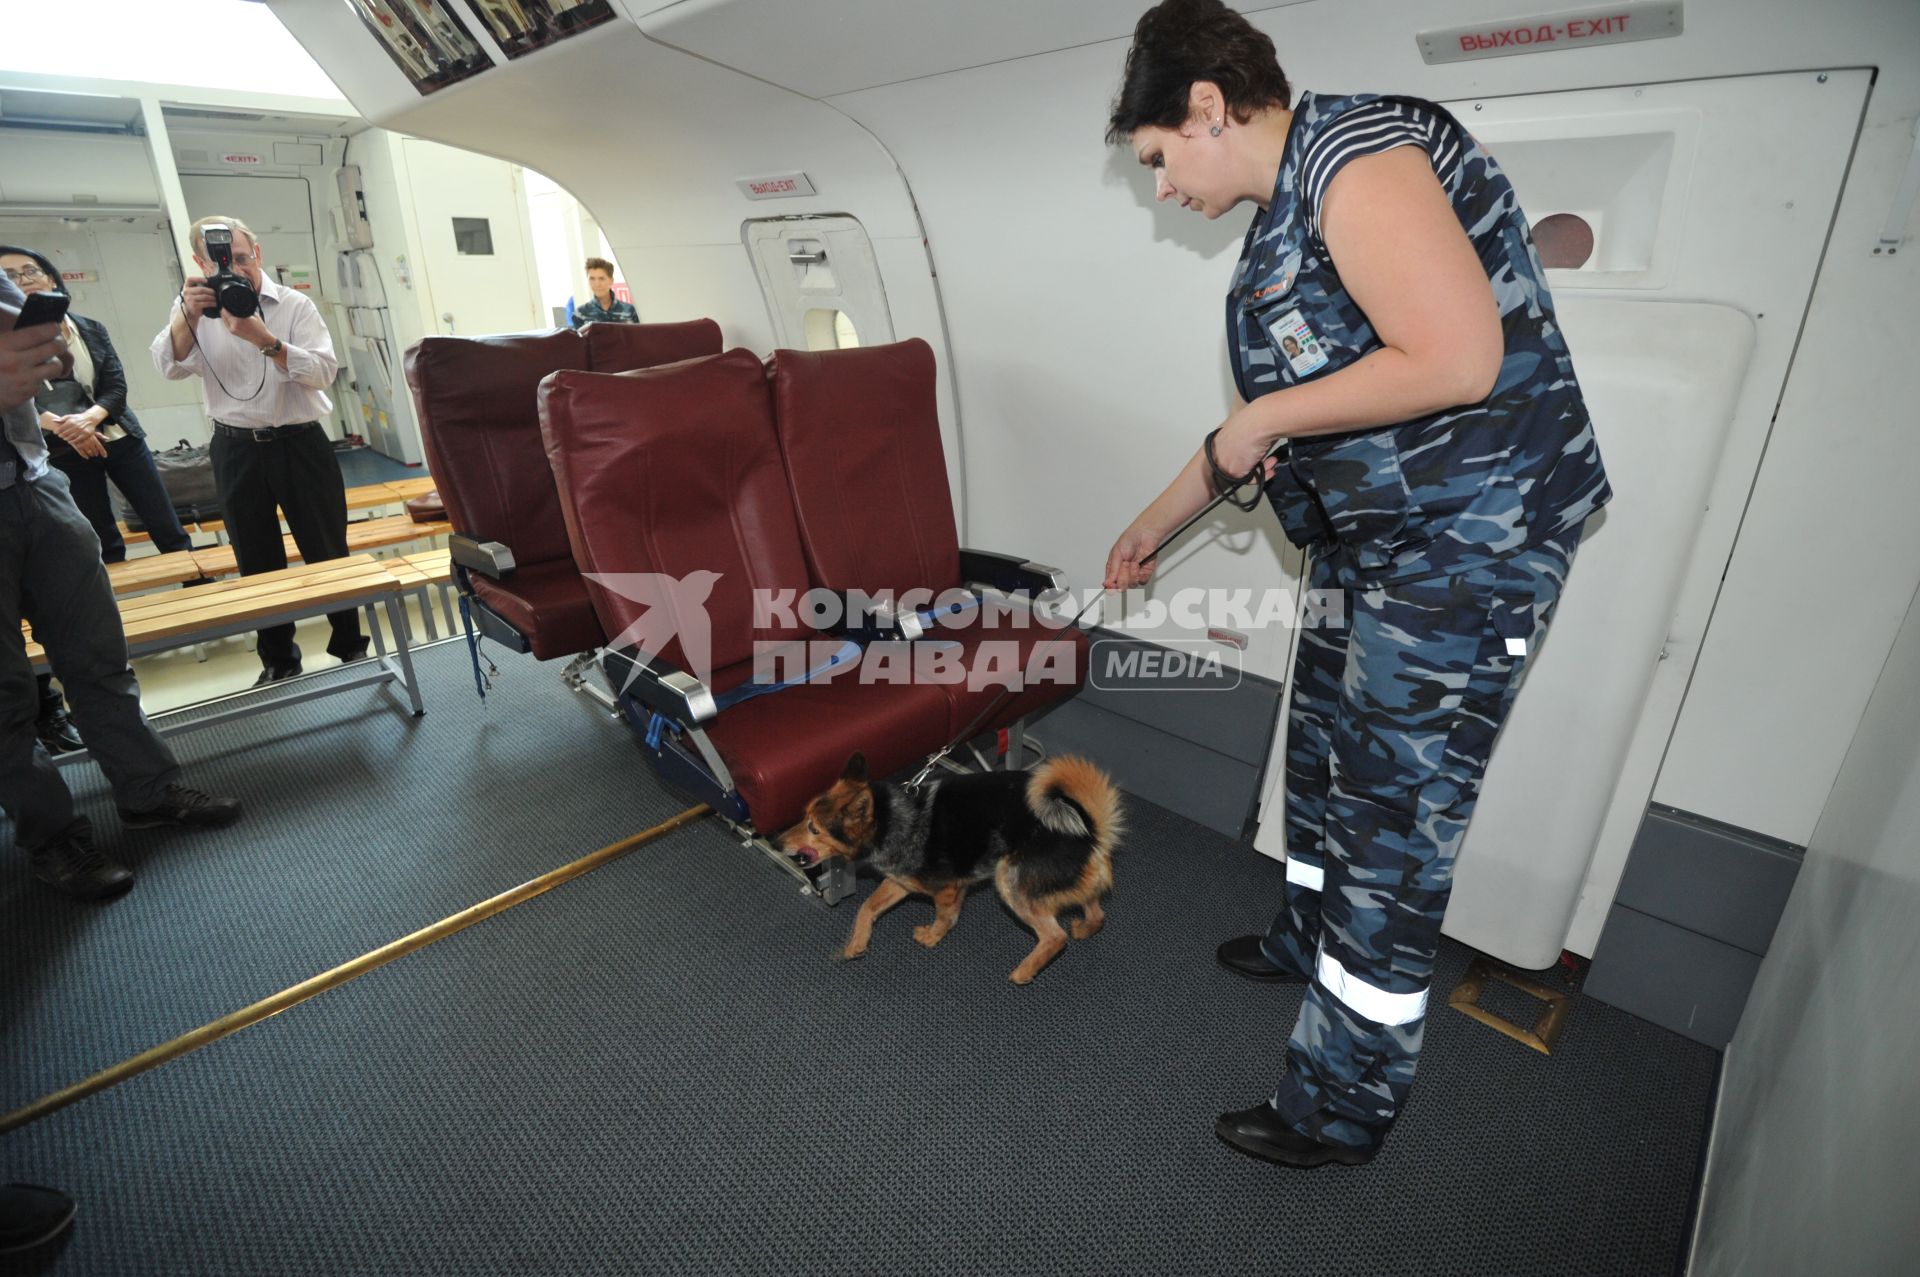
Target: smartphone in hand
x,y
42,308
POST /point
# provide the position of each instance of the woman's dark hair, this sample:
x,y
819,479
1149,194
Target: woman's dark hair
x,y
1179,42
47,268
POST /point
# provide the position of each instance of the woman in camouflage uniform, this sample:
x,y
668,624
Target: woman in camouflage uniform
x,y
1388,321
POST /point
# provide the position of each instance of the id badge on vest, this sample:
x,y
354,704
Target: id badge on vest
x,y
1294,340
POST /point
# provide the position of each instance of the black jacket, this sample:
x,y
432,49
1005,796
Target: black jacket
x,y
109,381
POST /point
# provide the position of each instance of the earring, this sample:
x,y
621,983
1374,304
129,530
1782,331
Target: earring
x,y
1214,131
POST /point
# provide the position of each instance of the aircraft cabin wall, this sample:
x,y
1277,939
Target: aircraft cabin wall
x,y
1082,322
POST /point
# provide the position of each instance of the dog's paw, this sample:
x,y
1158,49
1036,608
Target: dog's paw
x,y
849,953
1022,977
1081,929
928,935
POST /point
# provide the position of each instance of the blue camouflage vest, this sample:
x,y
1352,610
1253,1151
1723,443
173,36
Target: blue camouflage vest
x,y
1440,494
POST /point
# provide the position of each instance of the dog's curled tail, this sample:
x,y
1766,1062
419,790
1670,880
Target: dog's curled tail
x,y
1069,794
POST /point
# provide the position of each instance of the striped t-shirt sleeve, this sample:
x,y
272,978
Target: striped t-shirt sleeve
x,y
1372,129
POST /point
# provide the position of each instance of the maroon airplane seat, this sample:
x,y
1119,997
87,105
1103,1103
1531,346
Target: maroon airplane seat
x,y
627,347
861,435
675,470
479,419
860,430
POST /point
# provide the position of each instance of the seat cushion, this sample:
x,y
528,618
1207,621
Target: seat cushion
x,y
627,347
546,602
672,475
785,747
860,431
476,398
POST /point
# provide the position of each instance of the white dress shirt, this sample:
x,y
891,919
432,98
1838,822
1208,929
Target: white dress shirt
x,y
232,369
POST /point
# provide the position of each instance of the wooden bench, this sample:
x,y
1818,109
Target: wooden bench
x,y
410,488
151,571
371,496
363,535
426,573
181,618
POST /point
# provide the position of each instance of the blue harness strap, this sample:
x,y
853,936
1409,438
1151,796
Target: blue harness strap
x,y
473,647
935,614
847,654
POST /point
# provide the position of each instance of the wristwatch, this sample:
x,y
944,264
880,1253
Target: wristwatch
x,y
275,349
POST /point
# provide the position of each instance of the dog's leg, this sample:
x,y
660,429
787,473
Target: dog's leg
x,y
1052,939
946,912
888,894
1090,922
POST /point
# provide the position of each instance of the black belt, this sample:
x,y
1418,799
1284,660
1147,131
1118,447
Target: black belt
x,y
261,434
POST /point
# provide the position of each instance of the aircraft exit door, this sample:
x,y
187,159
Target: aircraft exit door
x,y
821,282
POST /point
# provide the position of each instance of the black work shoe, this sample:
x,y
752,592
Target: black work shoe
x,y
31,1216
1243,956
357,654
57,733
184,806
72,864
1261,1132
280,675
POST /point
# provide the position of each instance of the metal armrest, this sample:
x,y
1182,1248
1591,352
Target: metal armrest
x,y
884,620
488,558
1010,574
661,688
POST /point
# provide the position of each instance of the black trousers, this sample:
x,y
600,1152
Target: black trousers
x,y
130,465
292,474
51,576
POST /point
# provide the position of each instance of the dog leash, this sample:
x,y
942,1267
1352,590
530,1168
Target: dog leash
x,y
1226,488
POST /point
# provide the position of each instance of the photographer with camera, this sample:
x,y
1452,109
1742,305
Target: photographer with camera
x,y
265,361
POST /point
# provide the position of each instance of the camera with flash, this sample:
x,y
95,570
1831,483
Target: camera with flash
x,y
231,293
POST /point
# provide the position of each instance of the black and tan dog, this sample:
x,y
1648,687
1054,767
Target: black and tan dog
x,y
1045,837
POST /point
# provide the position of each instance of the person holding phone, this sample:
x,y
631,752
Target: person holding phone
x,y
51,577
92,437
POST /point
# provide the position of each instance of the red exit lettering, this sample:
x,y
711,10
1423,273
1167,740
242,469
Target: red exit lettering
x,y
775,187
1546,33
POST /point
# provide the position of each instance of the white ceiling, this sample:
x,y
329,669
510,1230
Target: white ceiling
x,y
829,47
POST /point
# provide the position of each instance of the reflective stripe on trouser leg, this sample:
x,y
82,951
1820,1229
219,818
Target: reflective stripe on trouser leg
x,y
1429,679
1318,663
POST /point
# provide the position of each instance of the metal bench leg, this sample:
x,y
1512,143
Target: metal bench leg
x,y
396,616
426,614
373,629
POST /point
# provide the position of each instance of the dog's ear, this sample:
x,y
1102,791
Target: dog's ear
x,y
856,769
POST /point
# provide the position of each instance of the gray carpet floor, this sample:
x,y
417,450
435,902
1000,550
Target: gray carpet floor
x,y
364,465
660,1067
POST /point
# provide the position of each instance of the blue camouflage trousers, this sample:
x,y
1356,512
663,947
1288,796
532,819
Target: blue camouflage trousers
x,y
1392,721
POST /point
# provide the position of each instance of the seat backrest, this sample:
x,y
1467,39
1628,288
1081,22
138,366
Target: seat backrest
x,y
476,398
860,432
627,347
675,471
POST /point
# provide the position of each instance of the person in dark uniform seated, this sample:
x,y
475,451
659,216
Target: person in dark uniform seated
x,y
265,379
605,308
92,437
